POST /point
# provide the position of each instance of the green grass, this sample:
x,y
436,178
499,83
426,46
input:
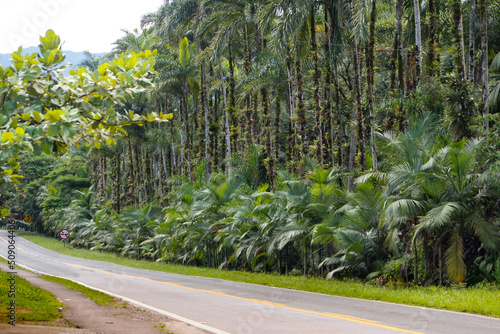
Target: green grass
x,y
32,303
97,296
479,300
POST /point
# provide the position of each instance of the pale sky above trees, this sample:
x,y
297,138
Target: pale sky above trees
x,y
91,25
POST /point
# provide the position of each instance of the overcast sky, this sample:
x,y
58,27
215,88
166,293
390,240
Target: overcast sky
x,y
91,25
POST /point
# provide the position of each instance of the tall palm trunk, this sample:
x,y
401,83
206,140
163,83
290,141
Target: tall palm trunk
x,y
292,130
316,99
138,174
97,173
339,131
400,115
232,100
254,118
213,107
104,168
187,141
392,63
250,112
432,45
267,137
301,109
148,176
370,78
362,113
159,174
164,175
261,44
277,111
207,120
399,42
132,178
327,100
418,41
195,131
458,36
173,155
117,183
356,114
472,39
484,57
226,119
181,129
327,106
415,264
247,137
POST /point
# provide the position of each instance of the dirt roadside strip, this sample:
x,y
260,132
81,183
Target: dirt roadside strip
x,y
90,318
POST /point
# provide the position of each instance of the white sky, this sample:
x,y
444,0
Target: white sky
x,y
91,25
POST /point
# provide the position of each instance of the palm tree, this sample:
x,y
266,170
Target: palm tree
x,y
268,74
227,19
407,195
79,213
249,230
133,41
100,232
235,19
333,51
134,226
358,240
294,32
183,74
298,226
460,211
173,20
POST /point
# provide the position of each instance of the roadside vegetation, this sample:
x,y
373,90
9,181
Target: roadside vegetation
x,y
325,139
32,303
482,299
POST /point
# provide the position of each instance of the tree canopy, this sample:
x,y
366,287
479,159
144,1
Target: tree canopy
x,y
42,110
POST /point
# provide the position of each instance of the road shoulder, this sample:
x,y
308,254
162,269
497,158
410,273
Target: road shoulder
x,y
86,316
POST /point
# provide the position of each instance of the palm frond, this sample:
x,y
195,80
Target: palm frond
x,y
454,259
487,233
441,215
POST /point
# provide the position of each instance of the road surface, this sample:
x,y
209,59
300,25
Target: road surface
x,y
229,307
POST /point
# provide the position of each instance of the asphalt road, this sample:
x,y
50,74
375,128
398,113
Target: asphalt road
x,y
229,307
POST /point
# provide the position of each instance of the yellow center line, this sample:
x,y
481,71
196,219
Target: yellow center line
x,y
351,317
252,300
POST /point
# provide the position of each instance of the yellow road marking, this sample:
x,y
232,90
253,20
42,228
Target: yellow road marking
x,y
252,300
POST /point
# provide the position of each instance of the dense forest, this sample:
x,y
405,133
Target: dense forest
x,y
343,139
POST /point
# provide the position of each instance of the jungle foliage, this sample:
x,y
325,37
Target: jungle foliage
x,y
330,138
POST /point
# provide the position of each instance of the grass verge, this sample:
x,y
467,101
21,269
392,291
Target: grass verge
x,y
32,303
479,300
99,297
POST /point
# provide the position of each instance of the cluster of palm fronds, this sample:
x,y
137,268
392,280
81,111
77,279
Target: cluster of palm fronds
x,y
428,219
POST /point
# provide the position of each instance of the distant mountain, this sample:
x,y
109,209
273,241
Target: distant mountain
x,y
74,58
